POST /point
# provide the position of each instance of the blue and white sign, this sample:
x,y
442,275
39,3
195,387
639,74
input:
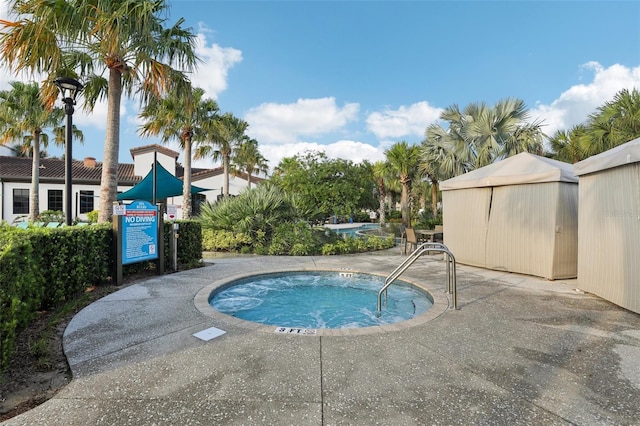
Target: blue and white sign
x,y
139,232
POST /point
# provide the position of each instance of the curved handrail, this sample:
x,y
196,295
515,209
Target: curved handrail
x,y
419,251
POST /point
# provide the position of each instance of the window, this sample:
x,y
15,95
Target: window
x,y
196,201
55,200
86,201
20,201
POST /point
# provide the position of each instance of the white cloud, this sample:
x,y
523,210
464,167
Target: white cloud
x,y
286,123
575,104
212,73
345,149
405,121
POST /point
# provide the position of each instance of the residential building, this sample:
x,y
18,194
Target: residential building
x,y
15,182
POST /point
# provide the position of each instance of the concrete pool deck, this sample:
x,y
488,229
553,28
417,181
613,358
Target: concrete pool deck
x,y
520,350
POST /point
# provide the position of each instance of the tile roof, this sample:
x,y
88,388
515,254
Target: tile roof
x,y
18,169
52,170
154,147
199,174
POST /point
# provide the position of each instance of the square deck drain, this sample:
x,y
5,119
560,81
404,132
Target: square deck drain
x,y
209,333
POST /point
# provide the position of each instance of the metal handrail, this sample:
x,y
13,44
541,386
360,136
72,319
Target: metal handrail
x,y
419,251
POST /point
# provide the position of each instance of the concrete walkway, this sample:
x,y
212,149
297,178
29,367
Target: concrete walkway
x,y
520,350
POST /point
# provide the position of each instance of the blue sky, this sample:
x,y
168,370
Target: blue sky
x,y
351,78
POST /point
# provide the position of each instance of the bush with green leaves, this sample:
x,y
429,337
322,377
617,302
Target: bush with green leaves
x,y
51,216
294,238
426,220
21,288
255,213
265,220
224,240
350,244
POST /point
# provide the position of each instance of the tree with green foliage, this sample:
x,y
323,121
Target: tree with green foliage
x,y
117,47
226,135
24,116
402,161
480,135
616,122
326,186
381,176
570,146
184,119
254,213
249,160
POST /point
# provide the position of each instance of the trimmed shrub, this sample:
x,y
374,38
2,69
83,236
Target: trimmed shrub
x,y
21,289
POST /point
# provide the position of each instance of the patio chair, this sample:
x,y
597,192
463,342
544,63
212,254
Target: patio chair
x,y
439,235
411,240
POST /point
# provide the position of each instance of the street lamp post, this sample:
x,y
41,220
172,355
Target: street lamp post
x,y
69,89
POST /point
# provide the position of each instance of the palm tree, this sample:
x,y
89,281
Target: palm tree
x,y
249,160
227,133
380,174
24,117
402,160
570,146
480,134
182,118
116,46
615,122
439,159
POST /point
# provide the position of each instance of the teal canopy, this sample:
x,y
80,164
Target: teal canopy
x,y
167,185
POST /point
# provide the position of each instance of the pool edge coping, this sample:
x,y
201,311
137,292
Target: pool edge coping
x,y
201,302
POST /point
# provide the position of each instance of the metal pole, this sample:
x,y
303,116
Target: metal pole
x,y
68,174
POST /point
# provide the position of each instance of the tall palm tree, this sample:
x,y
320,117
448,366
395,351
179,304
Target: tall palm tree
x,y
402,160
24,117
615,122
228,132
570,146
116,46
184,119
249,160
439,159
381,176
480,135
498,132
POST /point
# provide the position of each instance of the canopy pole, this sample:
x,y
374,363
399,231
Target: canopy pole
x,y
155,163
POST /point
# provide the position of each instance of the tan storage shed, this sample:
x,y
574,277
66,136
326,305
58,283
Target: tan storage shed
x,y
609,225
518,215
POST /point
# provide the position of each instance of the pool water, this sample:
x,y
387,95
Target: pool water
x,y
319,300
353,231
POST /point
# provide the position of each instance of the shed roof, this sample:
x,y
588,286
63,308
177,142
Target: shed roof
x,y
620,155
519,169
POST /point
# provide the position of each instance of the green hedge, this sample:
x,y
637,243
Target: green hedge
x,y
21,289
189,243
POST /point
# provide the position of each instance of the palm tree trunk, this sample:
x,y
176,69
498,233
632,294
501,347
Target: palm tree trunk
x,y
186,193
109,180
381,197
225,172
434,197
249,180
404,202
34,207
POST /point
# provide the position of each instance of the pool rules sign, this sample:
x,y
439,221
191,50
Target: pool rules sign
x,y
136,228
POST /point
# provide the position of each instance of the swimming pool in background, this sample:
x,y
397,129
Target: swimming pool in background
x,y
319,299
354,230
